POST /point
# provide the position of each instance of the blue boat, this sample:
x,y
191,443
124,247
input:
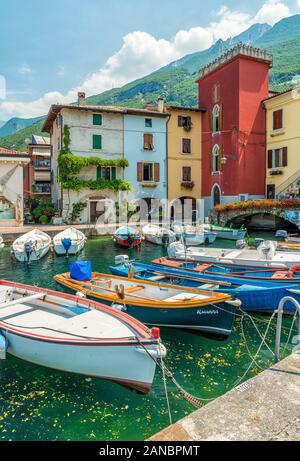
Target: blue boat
x,y
261,297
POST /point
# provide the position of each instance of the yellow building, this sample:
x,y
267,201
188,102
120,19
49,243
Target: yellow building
x,y
184,154
283,145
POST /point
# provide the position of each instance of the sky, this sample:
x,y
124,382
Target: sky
x,y
51,49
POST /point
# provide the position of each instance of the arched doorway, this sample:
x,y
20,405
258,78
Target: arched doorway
x,y
216,195
184,209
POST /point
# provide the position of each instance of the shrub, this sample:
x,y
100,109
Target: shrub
x,y
43,219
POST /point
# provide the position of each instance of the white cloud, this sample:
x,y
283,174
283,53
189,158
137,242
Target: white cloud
x,y
24,69
298,3
141,53
273,11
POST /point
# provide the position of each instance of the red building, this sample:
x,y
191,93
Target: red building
x,y
232,89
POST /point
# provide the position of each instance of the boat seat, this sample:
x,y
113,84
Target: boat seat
x,y
209,286
280,275
134,289
202,267
186,297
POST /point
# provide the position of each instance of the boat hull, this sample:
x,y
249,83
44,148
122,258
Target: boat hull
x,y
126,244
74,249
34,256
205,238
110,362
211,320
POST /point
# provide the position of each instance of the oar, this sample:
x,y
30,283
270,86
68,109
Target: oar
x,y
194,279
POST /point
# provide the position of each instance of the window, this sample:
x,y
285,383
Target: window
x,y
277,158
148,141
148,172
216,119
59,120
186,174
58,143
277,119
148,122
107,173
185,122
216,159
186,146
97,141
97,119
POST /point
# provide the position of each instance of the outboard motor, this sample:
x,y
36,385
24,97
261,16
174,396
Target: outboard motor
x,y
267,249
130,240
240,244
66,243
281,235
28,248
165,239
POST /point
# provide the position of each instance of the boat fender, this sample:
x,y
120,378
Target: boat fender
x,y
81,295
119,307
234,302
3,347
155,332
293,269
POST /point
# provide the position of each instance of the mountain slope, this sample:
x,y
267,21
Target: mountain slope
x,y
15,124
17,140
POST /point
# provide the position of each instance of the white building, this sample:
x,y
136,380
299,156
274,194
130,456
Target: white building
x,y
108,135
12,186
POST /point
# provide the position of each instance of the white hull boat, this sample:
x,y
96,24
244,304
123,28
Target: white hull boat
x,y
226,233
71,334
31,246
158,235
69,242
246,257
199,238
1,242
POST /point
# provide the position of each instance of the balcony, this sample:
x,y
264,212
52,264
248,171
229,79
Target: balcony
x,y
44,164
42,188
188,185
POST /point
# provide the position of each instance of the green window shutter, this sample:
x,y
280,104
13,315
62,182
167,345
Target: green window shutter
x,y
113,172
97,119
97,141
99,173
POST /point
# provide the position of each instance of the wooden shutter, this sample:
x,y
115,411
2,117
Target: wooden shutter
x,y
97,119
221,118
148,141
186,173
186,146
285,156
277,119
270,158
156,172
179,120
113,172
220,164
97,141
140,171
99,173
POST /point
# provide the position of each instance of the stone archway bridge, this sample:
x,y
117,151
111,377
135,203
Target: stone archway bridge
x,y
288,210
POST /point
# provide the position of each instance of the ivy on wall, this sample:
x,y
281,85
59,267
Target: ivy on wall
x,y
70,165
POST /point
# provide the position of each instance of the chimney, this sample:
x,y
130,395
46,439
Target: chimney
x,y
81,98
161,105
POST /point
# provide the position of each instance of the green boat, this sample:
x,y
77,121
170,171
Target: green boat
x,y
227,233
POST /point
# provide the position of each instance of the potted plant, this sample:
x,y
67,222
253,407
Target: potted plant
x,y
43,219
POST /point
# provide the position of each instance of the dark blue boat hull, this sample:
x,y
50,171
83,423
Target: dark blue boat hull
x,y
261,297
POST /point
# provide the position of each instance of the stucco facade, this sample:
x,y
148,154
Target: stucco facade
x,y
232,89
12,164
154,185
283,144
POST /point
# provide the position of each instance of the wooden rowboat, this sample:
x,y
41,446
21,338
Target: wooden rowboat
x,y
160,304
64,332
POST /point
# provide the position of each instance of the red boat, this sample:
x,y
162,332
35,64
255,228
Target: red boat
x,y
128,237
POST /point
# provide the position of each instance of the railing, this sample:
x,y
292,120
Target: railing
x,y
279,321
42,188
42,164
286,184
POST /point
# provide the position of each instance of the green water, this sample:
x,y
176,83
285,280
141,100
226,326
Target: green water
x,y
41,404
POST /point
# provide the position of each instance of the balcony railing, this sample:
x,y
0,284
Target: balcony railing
x,y
42,188
43,164
187,184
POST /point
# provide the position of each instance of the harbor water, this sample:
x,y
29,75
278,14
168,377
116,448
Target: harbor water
x,y
42,404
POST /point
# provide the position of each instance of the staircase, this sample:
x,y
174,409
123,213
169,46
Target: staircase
x,y
286,184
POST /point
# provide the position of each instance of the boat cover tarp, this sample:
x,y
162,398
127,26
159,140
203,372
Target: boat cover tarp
x,y
81,271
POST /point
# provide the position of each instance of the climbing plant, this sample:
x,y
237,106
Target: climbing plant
x,y
70,166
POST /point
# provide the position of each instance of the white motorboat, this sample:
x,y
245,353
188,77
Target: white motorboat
x,y
31,246
158,235
226,233
69,242
1,241
265,255
67,333
194,235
